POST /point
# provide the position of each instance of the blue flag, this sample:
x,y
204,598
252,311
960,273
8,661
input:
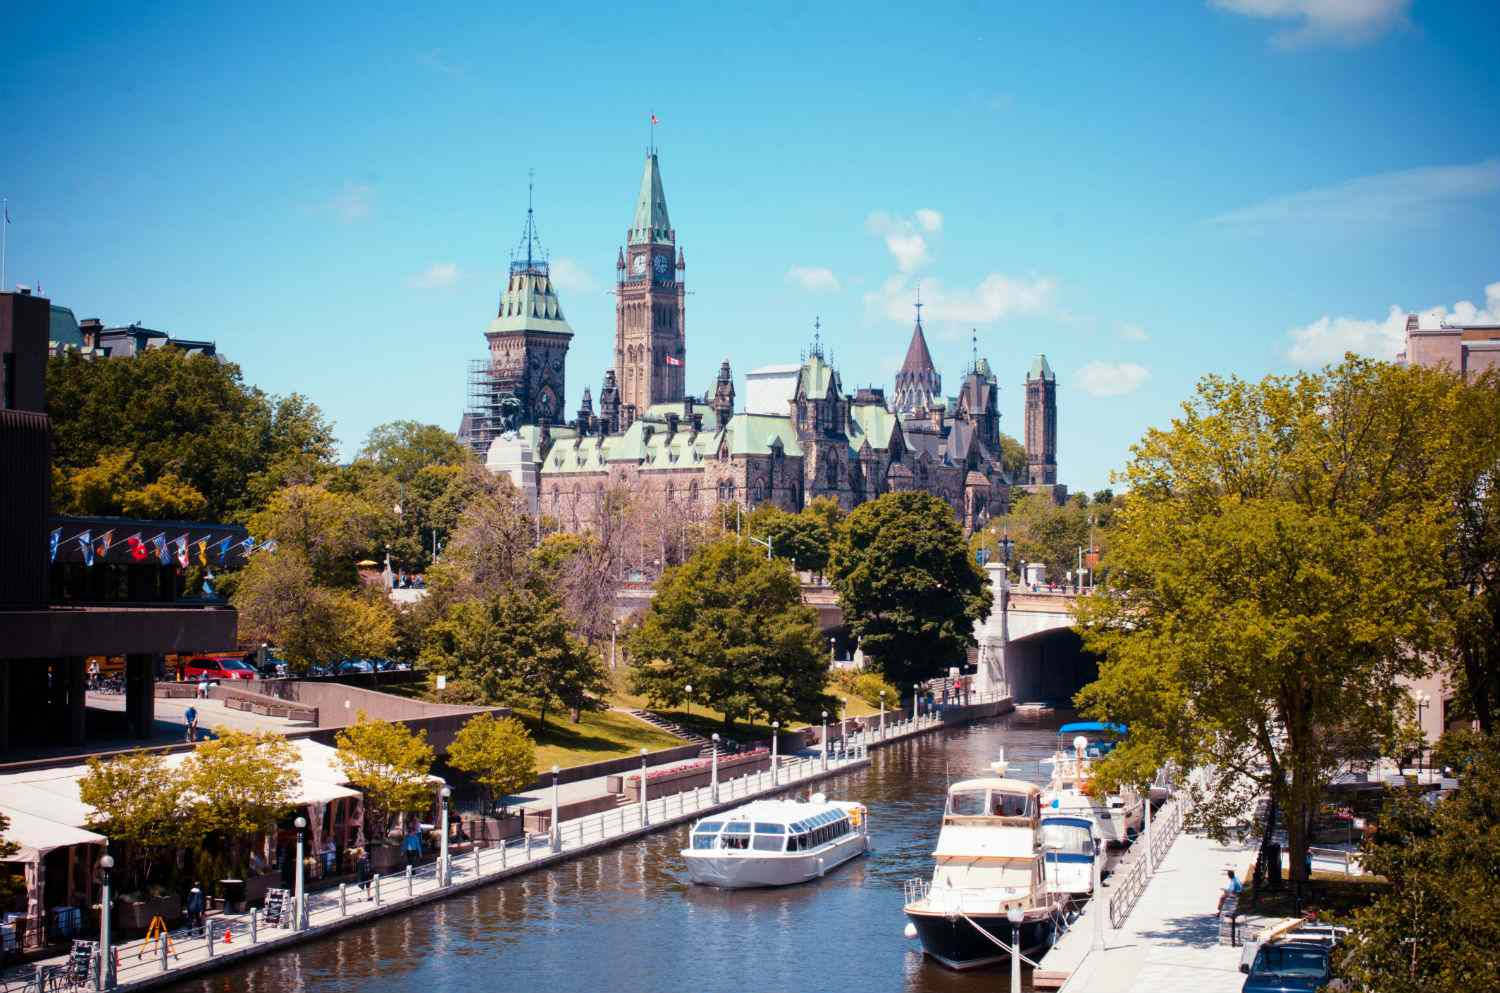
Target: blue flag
x,y
52,545
86,545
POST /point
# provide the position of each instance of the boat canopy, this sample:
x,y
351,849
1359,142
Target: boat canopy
x,y
981,841
1083,726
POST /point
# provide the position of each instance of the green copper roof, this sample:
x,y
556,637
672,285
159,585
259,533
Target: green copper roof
x,y
817,376
875,423
651,222
982,367
1041,370
753,434
530,304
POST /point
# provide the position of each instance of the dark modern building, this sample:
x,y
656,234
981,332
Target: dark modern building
x,y
72,588
133,339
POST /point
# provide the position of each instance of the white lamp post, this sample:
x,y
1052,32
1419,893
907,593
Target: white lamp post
x,y
1015,915
556,828
714,780
614,633
915,689
1150,858
824,749
444,794
689,689
105,978
775,761
1098,895
833,655
301,825
1423,702
645,818
882,715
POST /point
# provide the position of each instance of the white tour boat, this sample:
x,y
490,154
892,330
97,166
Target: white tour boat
x,y
1117,817
988,863
776,842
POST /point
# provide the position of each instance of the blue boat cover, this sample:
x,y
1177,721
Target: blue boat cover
x,y
1092,726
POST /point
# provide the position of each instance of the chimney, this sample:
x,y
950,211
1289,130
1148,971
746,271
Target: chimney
x,y
697,423
671,425
1411,323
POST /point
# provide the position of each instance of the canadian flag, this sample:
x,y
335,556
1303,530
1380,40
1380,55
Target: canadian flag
x,y
673,360
654,120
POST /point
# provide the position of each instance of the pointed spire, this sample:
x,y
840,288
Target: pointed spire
x,y
651,222
817,342
528,255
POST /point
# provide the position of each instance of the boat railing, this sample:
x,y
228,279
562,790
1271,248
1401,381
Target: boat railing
x,y
916,890
962,900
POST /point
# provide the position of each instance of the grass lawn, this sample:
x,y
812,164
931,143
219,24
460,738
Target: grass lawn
x,y
1332,894
706,720
599,735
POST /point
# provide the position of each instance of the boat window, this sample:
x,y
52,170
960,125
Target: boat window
x,y
1069,839
736,835
761,828
703,839
709,826
767,842
1008,804
738,827
969,803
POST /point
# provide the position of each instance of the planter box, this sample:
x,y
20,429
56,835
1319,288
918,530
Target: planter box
x,y
694,777
488,831
540,818
385,858
137,916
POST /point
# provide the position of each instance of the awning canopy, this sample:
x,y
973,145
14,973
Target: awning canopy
x,y
37,836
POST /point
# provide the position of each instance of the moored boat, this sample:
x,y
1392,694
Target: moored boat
x,y
1116,817
776,842
988,864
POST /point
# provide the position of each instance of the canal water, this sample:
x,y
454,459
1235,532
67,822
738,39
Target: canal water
x,y
627,920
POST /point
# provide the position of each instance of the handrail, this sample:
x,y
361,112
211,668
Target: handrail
x,y
1164,830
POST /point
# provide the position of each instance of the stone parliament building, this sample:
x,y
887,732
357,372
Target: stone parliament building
x,y
797,435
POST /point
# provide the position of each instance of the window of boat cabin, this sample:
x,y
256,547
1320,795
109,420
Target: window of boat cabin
x,y
706,833
967,803
1068,839
736,835
768,837
1010,805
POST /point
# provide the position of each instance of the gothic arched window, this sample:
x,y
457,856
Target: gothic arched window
x,y
833,474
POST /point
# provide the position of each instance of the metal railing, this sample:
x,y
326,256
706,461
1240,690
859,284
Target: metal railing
x,y
1165,827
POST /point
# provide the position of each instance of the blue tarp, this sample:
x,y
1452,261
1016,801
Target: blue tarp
x,y
1092,726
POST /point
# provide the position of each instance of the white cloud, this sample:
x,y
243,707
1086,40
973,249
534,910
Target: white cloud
x,y
1133,332
353,202
1112,379
1328,338
813,278
1344,22
437,276
570,277
1404,196
994,297
929,219
903,235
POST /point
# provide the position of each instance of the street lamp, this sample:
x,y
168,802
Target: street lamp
x,y
1015,915
443,795
882,715
105,978
824,749
714,791
645,818
833,655
301,825
689,688
614,632
556,828
775,761
915,689
1423,702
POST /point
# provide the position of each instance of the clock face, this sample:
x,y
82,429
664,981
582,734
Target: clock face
x,y
638,265
660,263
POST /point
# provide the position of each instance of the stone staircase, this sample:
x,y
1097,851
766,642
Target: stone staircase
x,y
659,722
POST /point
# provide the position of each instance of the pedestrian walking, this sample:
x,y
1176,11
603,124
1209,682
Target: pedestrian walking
x,y
195,908
362,870
412,846
191,716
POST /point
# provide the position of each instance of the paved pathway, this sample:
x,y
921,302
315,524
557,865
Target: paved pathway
x,y
1170,941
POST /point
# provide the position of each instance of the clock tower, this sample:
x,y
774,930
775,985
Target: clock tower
x,y
650,327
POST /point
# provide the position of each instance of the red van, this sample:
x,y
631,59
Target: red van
x,y
217,667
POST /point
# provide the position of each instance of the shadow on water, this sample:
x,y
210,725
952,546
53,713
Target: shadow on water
x,y
627,919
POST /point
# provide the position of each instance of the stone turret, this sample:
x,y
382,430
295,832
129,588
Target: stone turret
x,y
609,404
723,399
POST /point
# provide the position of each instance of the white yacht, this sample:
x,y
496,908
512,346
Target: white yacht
x,y
1117,817
988,863
776,842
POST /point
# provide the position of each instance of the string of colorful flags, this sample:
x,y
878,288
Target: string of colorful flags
x,y
183,549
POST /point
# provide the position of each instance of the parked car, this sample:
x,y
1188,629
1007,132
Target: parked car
x,y
217,667
272,668
350,667
1290,967
391,665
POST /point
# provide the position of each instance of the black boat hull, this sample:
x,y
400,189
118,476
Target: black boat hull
x,y
958,944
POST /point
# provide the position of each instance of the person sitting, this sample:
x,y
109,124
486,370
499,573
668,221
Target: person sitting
x,y
1230,894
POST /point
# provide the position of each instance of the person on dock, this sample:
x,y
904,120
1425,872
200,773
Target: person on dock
x,y
1231,893
362,870
195,907
412,846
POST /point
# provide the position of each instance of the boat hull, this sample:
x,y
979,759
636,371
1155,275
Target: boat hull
x,y
752,870
956,942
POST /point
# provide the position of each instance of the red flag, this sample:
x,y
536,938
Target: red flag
x,y
654,120
673,360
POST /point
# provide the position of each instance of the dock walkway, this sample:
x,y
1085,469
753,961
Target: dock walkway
x,y
1170,940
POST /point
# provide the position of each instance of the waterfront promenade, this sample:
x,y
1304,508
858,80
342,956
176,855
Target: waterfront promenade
x,y
142,966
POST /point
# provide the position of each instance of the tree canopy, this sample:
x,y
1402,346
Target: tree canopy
x,y
1270,582
138,802
241,784
389,764
731,624
498,753
171,434
910,590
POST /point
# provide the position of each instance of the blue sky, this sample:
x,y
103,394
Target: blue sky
x,y
1144,192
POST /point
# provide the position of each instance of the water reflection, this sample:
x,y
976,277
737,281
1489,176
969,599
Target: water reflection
x,y
627,919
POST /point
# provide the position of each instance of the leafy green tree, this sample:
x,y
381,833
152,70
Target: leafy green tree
x,y
1435,928
241,784
404,448
910,590
389,764
515,648
9,885
1270,583
1013,458
188,417
732,624
804,538
328,529
141,804
498,753
281,602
